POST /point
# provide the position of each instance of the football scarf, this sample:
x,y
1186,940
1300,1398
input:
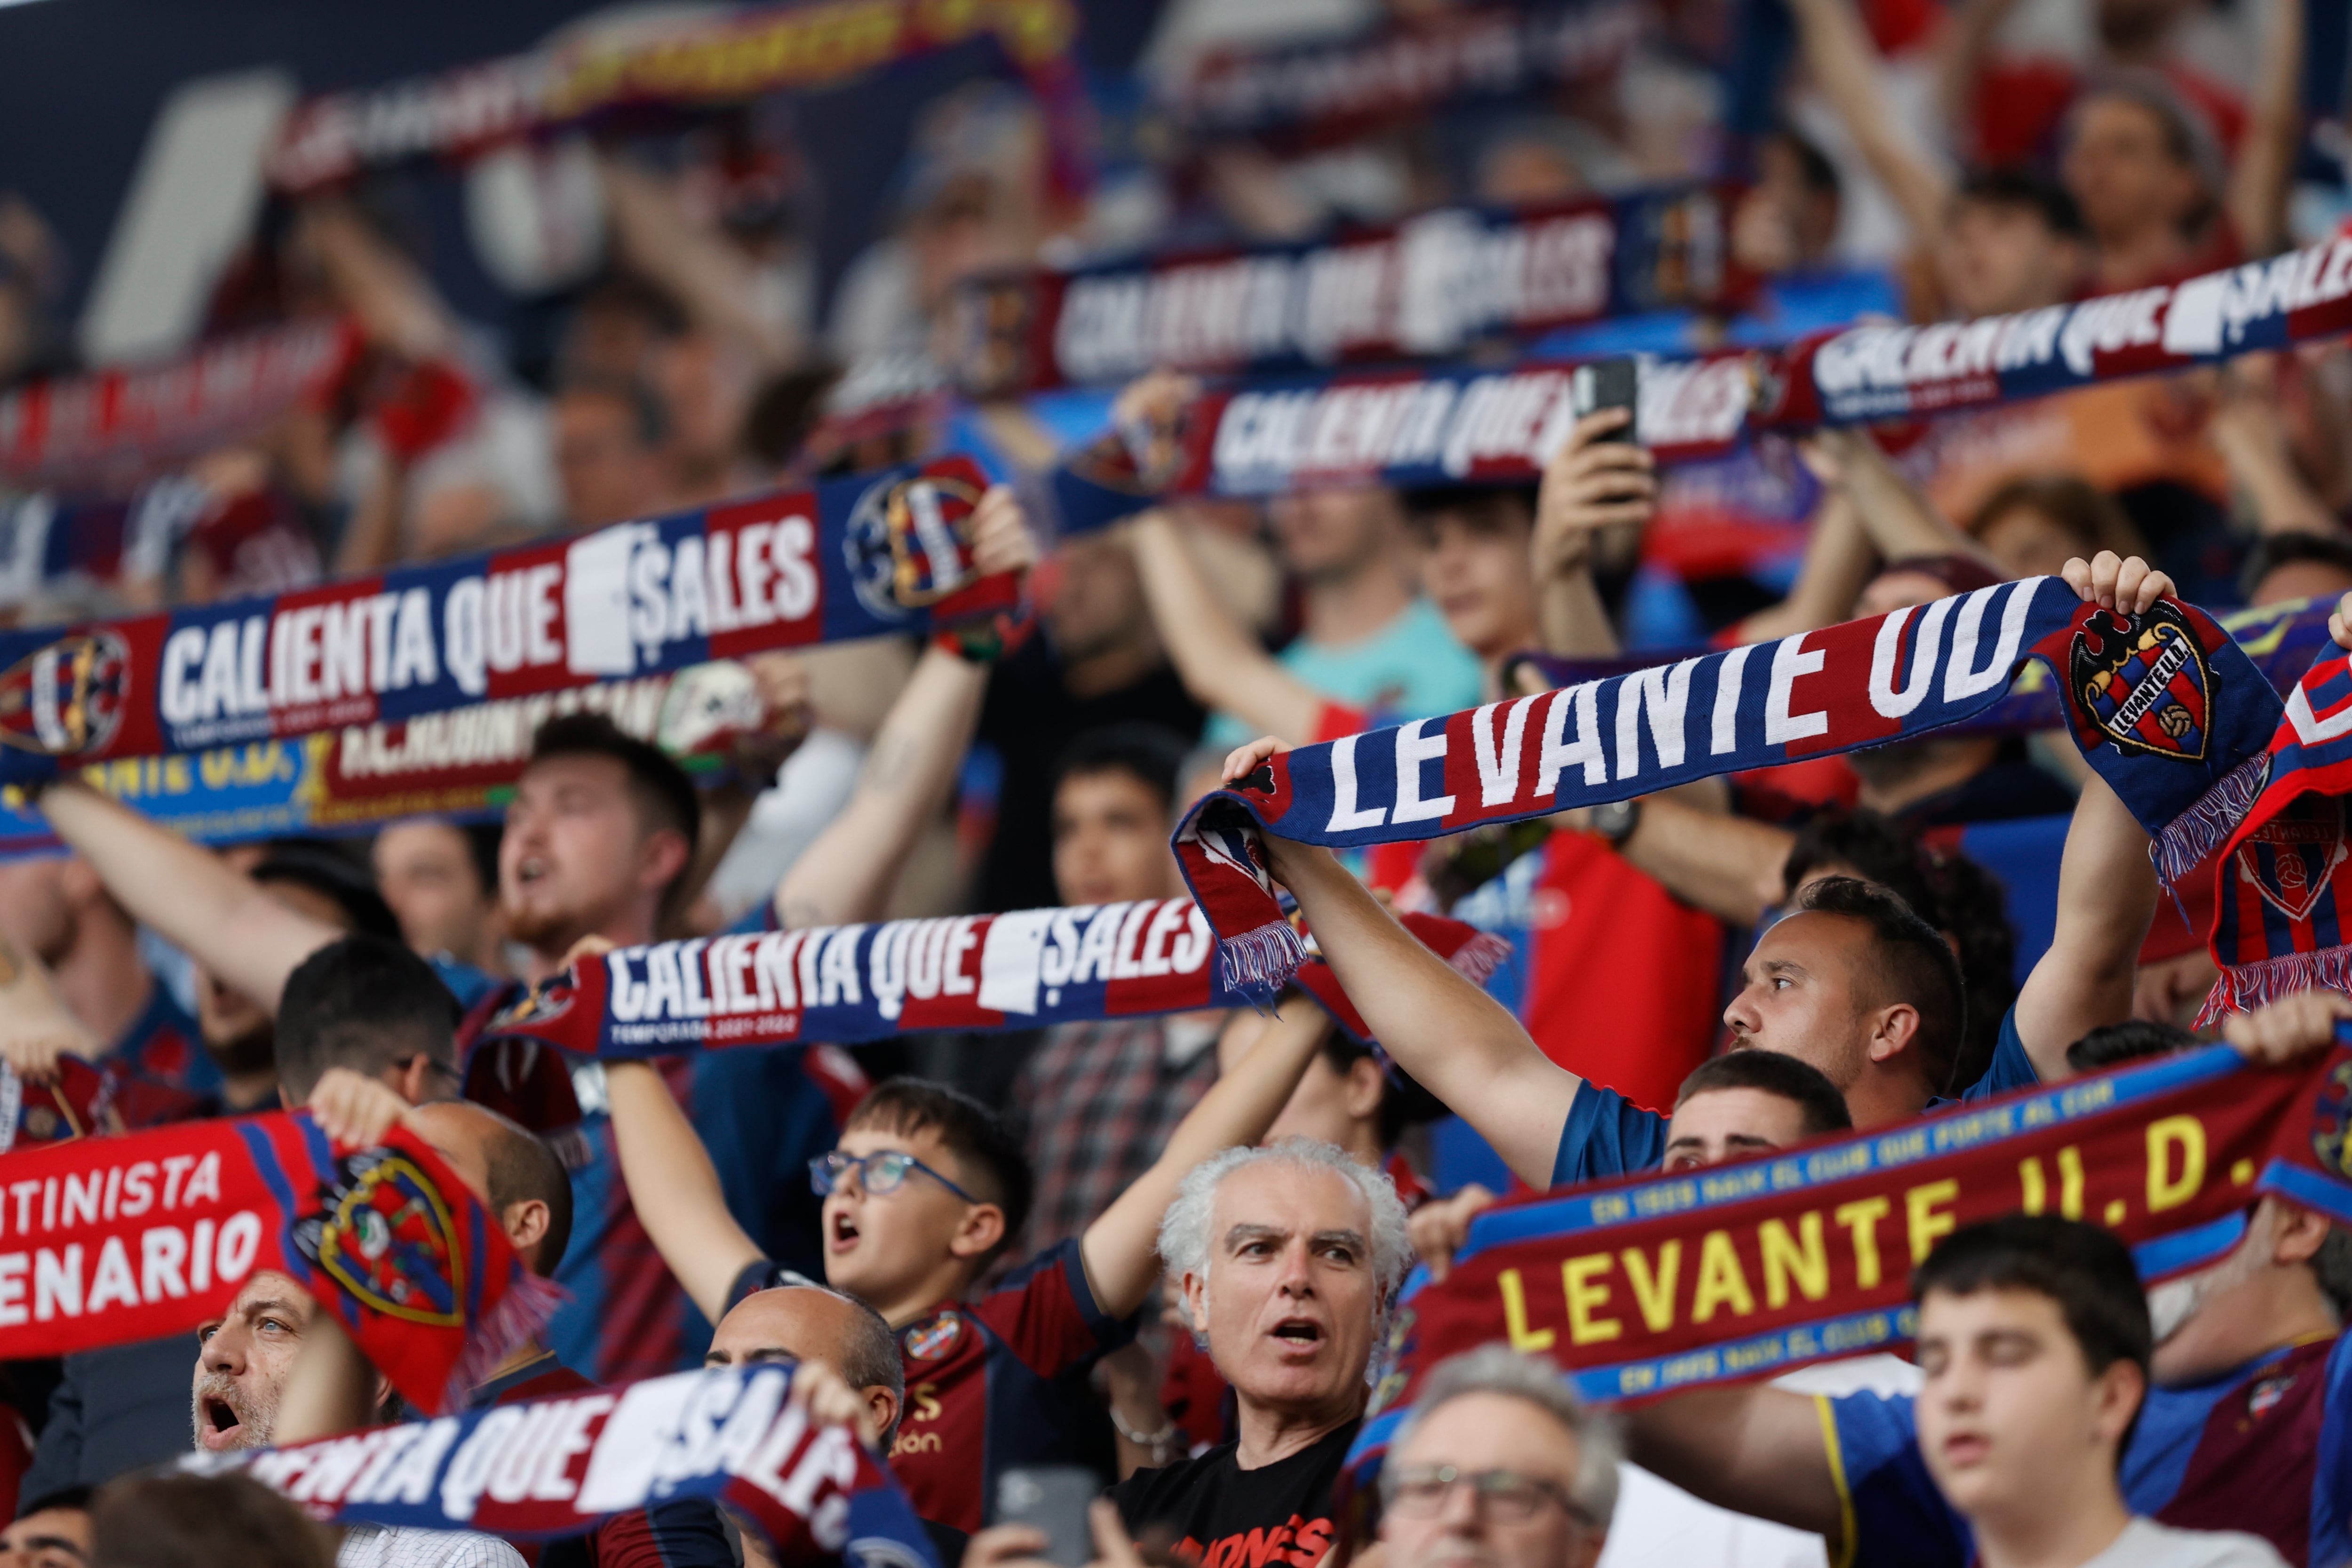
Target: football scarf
x,y
545,1468
1436,424
1647,1286
2280,641
108,1240
2164,705
116,424
691,64
2285,875
461,765
851,558
854,983
1437,284
1327,91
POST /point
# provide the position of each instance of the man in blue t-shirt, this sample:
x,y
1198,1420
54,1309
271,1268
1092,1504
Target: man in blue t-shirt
x,y
1850,981
2248,1424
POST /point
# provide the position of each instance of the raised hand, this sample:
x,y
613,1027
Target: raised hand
x,y
1590,483
2113,583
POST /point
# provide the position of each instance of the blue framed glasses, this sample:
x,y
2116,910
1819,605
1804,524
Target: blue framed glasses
x,y
880,1174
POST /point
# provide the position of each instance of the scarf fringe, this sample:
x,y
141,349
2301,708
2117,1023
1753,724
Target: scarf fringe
x,y
519,1318
1262,960
2246,986
2188,840
1477,959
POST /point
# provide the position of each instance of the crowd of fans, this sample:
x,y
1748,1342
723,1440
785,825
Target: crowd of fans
x,y
1002,1245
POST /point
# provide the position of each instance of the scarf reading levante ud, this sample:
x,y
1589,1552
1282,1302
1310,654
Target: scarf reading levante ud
x,y
852,558
108,1240
1643,1287
849,984
551,1467
2166,707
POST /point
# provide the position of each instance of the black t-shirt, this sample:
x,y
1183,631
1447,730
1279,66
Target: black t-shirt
x,y
1211,1505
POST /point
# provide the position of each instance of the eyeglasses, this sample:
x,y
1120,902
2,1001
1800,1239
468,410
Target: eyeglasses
x,y
1511,1498
877,1173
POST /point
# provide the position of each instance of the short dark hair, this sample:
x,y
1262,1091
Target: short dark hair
x,y
1913,962
1973,915
522,1167
665,797
2134,1039
1772,1072
2086,1270
2274,551
1151,754
1404,1102
2024,189
333,875
365,1003
73,1499
168,1520
1820,175
872,1358
988,1157
1484,508
1875,846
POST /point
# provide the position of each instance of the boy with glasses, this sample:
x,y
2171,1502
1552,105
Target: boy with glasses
x,y
1499,1465
925,1189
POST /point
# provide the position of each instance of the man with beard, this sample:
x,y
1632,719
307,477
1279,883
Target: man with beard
x,y
2245,1428
601,833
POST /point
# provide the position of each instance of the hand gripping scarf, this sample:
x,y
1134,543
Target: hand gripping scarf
x,y
854,983
852,558
1644,1286
2284,882
2166,707
547,1468
108,1240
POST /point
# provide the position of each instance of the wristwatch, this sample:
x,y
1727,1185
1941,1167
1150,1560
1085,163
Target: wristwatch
x,y
1615,820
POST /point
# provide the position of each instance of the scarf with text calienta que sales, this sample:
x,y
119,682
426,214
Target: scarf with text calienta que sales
x,y
856,983
1650,1285
545,1468
873,554
108,1240
2165,706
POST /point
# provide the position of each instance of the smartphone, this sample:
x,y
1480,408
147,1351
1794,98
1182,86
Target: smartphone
x,y
1052,1499
1607,383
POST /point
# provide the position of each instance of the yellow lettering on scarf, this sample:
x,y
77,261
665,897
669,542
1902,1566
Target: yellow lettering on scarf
x,y
1585,1297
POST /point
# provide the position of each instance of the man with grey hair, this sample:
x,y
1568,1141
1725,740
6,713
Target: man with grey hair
x,y
1289,1256
1498,1465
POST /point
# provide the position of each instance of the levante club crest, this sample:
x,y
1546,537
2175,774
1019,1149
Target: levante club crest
x,y
388,1238
2331,1132
2142,682
908,543
2292,859
68,697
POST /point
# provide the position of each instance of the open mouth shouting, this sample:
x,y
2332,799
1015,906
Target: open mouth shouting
x,y
840,1231
220,1430
1298,1338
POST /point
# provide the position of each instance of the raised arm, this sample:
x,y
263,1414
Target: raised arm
x,y
1220,664
1754,1449
2106,888
1121,1249
1456,1041
1838,562
1894,517
187,895
674,1187
37,1027
847,873
714,282
1846,66
1728,866
2257,192
1593,482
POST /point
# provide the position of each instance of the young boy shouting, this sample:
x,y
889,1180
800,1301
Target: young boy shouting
x,y
2033,1335
925,1189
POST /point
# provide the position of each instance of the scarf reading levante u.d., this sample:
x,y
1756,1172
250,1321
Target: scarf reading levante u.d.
x,y
854,983
108,1240
1644,1286
881,553
2168,709
546,1468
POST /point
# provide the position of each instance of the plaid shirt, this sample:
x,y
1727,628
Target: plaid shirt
x,y
1095,1105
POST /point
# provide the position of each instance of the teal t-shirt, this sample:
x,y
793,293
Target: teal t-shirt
x,y
1410,668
